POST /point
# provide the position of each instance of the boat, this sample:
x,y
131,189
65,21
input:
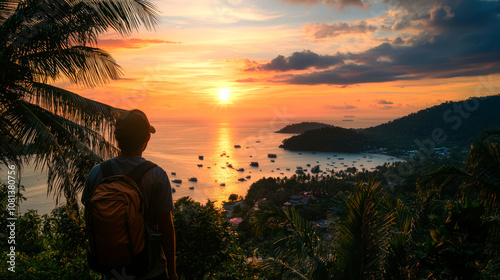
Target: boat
x,y
248,177
272,160
257,141
173,173
177,181
272,155
193,179
200,157
230,165
241,179
173,190
223,184
316,169
288,169
240,169
237,146
308,165
254,164
200,165
191,188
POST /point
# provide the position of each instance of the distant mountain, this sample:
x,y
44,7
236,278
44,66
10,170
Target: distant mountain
x,y
447,124
302,127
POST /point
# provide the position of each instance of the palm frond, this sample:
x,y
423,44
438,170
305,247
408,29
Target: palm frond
x,y
124,16
68,150
363,236
10,146
7,7
301,254
93,114
81,65
397,261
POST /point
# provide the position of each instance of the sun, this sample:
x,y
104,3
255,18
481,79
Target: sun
x,y
224,94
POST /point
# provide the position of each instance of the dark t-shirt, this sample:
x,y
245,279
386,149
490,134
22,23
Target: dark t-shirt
x,y
157,191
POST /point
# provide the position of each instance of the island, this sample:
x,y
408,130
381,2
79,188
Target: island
x,y
450,124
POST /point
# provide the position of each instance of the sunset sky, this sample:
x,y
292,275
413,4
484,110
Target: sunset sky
x,y
308,59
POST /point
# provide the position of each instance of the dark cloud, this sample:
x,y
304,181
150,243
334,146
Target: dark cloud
x,y
384,102
398,41
460,39
341,107
320,31
299,61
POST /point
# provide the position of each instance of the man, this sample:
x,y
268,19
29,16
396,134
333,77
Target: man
x,y
133,132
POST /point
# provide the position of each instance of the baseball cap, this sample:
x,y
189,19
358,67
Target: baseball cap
x,y
133,121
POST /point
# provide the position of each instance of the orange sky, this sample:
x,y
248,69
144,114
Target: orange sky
x,y
209,47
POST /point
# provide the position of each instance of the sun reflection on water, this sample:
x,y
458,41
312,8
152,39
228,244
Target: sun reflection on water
x,y
223,172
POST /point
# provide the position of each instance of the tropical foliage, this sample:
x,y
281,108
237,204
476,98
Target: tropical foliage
x,y
446,229
46,41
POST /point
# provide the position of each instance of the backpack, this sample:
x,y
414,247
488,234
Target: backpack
x,y
120,240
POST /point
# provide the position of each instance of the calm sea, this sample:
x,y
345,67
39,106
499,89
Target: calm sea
x,y
178,145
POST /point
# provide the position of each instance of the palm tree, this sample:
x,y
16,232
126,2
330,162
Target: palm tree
x,y
301,254
478,181
45,41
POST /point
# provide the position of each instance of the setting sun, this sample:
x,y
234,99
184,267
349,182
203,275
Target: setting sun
x,y
224,94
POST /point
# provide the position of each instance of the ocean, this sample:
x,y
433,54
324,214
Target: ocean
x,y
178,145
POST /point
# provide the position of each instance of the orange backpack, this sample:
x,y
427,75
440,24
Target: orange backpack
x,y
119,239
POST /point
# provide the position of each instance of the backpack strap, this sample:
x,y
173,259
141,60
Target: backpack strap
x,y
138,171
107,170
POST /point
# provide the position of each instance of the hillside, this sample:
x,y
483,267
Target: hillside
x,y
328,139
448,124
302,127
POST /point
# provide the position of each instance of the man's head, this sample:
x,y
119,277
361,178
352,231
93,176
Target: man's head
x,y
133,131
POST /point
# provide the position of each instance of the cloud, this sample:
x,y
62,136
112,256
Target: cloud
x,y
321,31
131,43
459,40
384,102
344,107
297,61
331,3
385,106
247,80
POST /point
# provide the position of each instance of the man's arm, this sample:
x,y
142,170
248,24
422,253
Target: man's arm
x,y
166,227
